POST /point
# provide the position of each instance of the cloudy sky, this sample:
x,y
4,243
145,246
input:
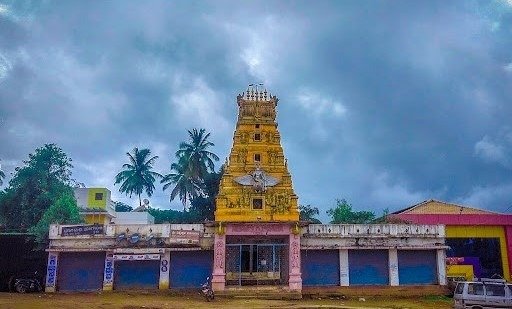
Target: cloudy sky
x,y
384,103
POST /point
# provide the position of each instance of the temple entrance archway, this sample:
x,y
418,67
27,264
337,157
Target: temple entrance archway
x,y
257,264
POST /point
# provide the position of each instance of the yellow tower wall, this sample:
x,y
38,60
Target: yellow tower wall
x,y
256,146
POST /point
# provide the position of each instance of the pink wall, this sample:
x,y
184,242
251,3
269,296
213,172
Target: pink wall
x,y
262,229
463,219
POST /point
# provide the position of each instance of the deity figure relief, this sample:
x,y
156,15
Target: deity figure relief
x,y
242,155
268,137
258,180
257,111
250,110
272,156
244,137
275,138
244,199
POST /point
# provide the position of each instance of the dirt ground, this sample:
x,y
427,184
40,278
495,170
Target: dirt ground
x,y
161,300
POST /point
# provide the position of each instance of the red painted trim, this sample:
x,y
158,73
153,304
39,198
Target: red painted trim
x,y
455,219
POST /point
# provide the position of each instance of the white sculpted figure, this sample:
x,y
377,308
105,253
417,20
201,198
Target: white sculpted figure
x,y
258,179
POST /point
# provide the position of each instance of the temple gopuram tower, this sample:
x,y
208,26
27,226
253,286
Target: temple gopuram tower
x,y
256,185
257,239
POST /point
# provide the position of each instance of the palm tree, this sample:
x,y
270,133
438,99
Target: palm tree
x,y
196,155
137,175
184,185
2,176
195,161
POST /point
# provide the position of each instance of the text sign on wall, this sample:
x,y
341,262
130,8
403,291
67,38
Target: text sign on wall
x,y
136,257
82,230
51,271
109,271
184,237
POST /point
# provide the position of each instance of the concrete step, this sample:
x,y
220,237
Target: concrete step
x,y
251,292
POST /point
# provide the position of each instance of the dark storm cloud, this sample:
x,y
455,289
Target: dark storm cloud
x,y
382,103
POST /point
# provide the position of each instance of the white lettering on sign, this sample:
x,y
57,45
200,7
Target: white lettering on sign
x,y
184,236
51,270
136,257
109,270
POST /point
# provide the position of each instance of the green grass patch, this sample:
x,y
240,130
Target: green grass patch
x,y
442,298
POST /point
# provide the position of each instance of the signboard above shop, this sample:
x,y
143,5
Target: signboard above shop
x,y
136,257
184,237
79,230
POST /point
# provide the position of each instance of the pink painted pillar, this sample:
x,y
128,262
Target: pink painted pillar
x,y
219,261
295,279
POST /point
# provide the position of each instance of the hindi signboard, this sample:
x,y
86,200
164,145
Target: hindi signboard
x,y
79,230
184,237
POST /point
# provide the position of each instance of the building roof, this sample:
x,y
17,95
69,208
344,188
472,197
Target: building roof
x,y
440,207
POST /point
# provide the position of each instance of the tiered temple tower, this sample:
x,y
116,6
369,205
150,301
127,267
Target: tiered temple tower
x,y
256,185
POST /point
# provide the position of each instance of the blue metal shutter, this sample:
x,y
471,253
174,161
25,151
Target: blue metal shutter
x,y
368,267
80,271
136,274
320,267
417,267
189,269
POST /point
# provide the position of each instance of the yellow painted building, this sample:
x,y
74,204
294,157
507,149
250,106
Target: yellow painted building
x,y
467,224
256,185
467,232
95,205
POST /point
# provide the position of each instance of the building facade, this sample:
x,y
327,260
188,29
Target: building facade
x,y
373,254
95,205
479,241
123,256
256,239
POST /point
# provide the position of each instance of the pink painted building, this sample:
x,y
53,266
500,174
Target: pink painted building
x,y
470,232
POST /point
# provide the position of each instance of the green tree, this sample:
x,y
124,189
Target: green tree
x,y
203,207
343,213
2,176
122,207
137,176
189,176
195,154
63,211
36,185
308,213
185,186
170,216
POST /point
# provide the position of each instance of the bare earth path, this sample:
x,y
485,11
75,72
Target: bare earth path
x,y
141,300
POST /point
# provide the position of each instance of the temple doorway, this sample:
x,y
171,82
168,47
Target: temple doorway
x,y
257,264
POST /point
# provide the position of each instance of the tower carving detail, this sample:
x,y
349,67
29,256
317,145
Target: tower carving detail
x,y
256,185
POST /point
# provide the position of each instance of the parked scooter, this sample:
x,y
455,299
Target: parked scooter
x,y
207,291
27,284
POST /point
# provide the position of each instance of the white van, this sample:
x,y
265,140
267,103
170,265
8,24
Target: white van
x,y
483,294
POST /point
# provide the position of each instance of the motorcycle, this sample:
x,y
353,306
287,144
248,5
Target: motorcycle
x,y
27,284
207,291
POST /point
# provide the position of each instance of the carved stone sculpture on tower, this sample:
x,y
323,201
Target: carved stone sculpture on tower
x,y
258,183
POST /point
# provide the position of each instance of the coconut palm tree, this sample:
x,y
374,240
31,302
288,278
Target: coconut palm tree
x,y
185,186
137,175
195,161
2,176
195,153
